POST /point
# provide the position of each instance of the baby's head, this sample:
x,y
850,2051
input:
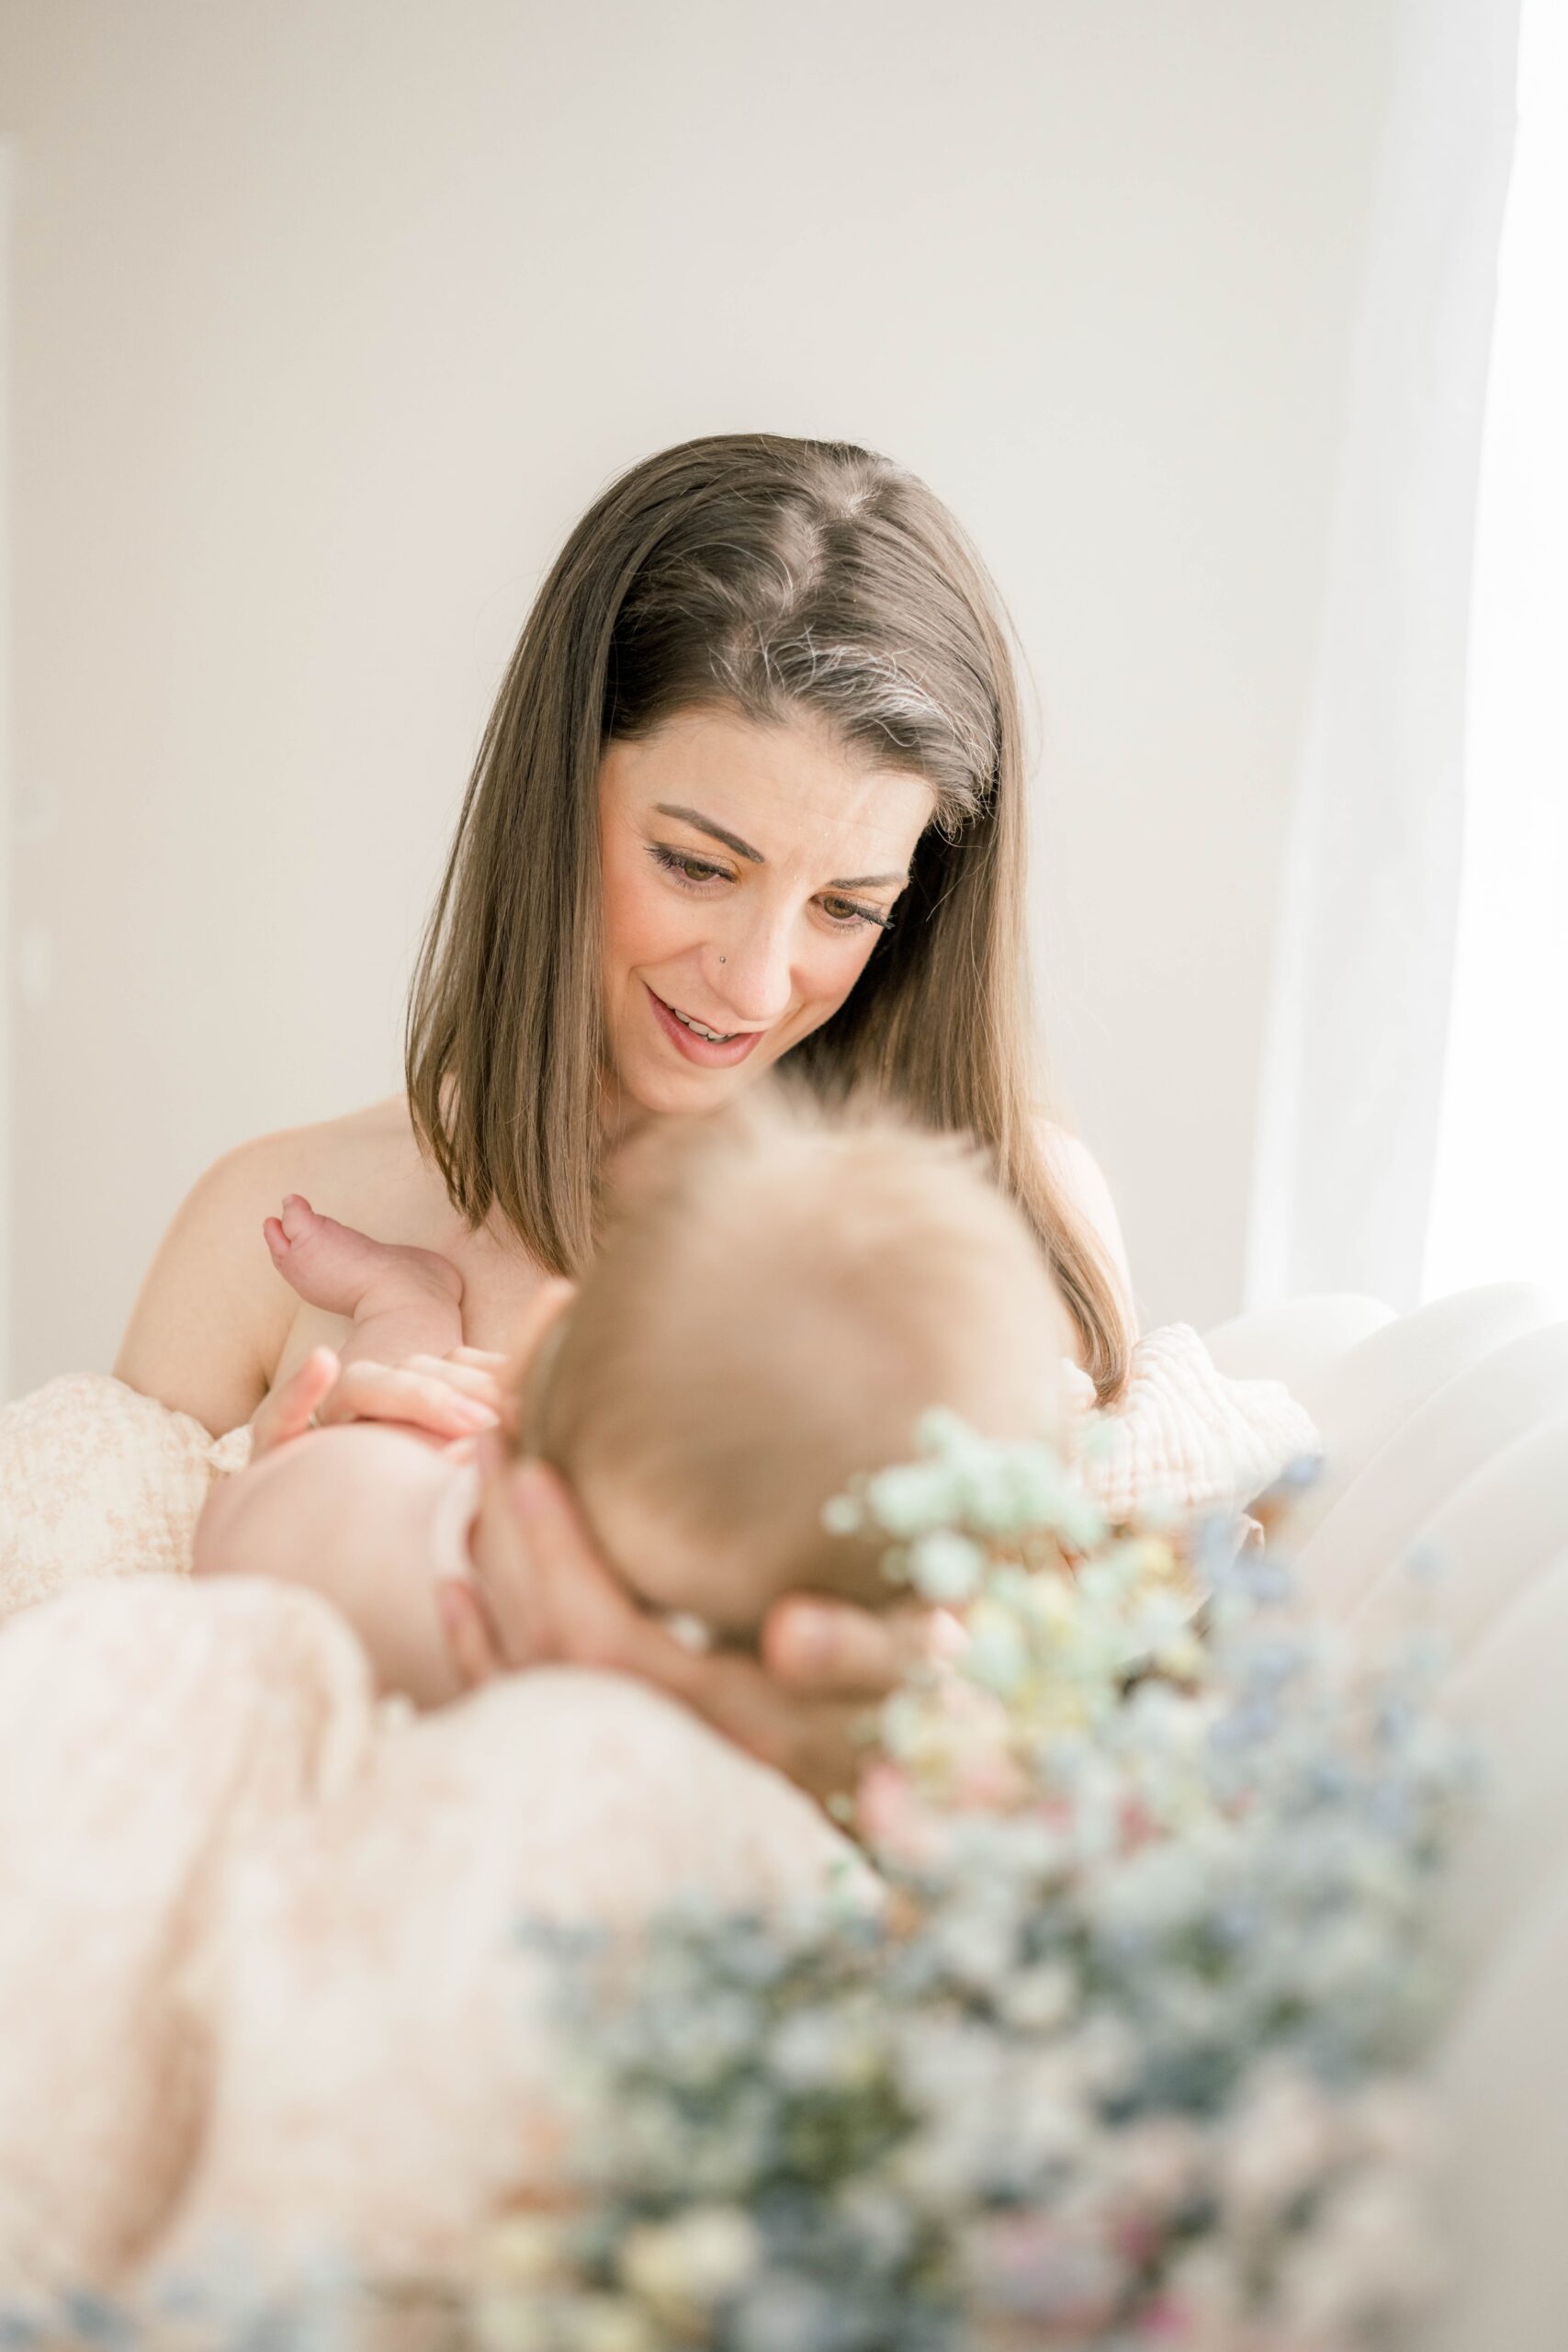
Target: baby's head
x,y
782,1291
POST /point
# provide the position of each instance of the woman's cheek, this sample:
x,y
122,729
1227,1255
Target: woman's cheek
x,y
858,957
643,923
834,978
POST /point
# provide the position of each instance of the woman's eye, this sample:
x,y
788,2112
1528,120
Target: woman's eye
x,y
692,873
844,914
685,869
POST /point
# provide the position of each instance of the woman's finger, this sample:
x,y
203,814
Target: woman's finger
x,y
550,1594
815,1741
482,1359
285,1412
833,1649
590,1618
543,1571
593,1620
819,1744
519,1588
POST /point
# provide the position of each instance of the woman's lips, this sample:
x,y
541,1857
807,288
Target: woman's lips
x,y
701,1049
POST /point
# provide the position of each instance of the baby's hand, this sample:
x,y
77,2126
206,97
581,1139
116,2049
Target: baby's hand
x,y
474,1373
290,1409
435,1400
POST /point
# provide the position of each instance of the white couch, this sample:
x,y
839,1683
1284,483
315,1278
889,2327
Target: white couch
x,y
1446,1430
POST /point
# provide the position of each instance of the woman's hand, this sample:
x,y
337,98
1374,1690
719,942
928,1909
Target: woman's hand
x,y
542,1593
438,1397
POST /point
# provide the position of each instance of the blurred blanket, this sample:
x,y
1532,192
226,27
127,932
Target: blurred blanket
x,y
262,1930
260,1926
98,1480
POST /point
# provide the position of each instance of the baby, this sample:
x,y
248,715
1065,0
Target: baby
x,y
780,1293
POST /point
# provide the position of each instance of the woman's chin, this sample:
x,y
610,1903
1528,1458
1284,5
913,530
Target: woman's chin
x,y
675,1092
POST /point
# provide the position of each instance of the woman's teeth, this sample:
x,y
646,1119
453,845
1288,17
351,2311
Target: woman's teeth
x,y
713,1036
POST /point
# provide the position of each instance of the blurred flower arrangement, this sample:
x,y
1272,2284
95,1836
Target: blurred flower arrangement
x,y
1120,2054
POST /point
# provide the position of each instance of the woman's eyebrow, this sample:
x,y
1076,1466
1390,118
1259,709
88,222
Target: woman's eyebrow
x,y
744,849
705,825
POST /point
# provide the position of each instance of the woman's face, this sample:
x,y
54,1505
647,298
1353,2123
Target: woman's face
x,y
748,871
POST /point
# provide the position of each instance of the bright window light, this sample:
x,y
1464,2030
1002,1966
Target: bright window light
x,y
1500,1202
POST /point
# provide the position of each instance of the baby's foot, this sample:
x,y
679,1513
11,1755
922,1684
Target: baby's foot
x,y
408,1301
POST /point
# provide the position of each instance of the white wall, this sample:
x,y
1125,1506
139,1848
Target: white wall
x,y
330,317
7,785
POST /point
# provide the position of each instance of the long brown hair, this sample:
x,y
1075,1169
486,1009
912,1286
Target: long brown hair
x,y
767,575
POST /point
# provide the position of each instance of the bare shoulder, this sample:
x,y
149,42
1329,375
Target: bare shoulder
x,y
212,1315
1078,1171
367,1165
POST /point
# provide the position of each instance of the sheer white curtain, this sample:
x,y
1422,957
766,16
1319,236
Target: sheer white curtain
x,y
1500,1193
1355,1032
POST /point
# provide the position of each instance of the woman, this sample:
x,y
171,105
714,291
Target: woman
x,y
753,786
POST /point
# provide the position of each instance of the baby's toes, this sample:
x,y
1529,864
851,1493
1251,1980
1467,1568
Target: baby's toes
x,y
330,1265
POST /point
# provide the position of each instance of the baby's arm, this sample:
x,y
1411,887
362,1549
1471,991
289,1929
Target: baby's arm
x,y
349,1511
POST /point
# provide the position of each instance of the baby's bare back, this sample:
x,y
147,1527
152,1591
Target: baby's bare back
x,y
358,1513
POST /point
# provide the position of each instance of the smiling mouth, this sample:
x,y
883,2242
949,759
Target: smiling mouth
x,y
713,1036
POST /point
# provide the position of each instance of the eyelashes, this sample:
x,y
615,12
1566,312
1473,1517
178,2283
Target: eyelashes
x,y
689,873
690,870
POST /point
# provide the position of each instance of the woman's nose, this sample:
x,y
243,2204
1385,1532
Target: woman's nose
x,y
750,972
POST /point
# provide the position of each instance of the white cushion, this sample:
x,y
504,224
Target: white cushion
x,y
1446,1440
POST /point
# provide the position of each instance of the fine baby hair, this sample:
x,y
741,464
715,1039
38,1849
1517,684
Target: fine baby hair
x,y
782,1290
